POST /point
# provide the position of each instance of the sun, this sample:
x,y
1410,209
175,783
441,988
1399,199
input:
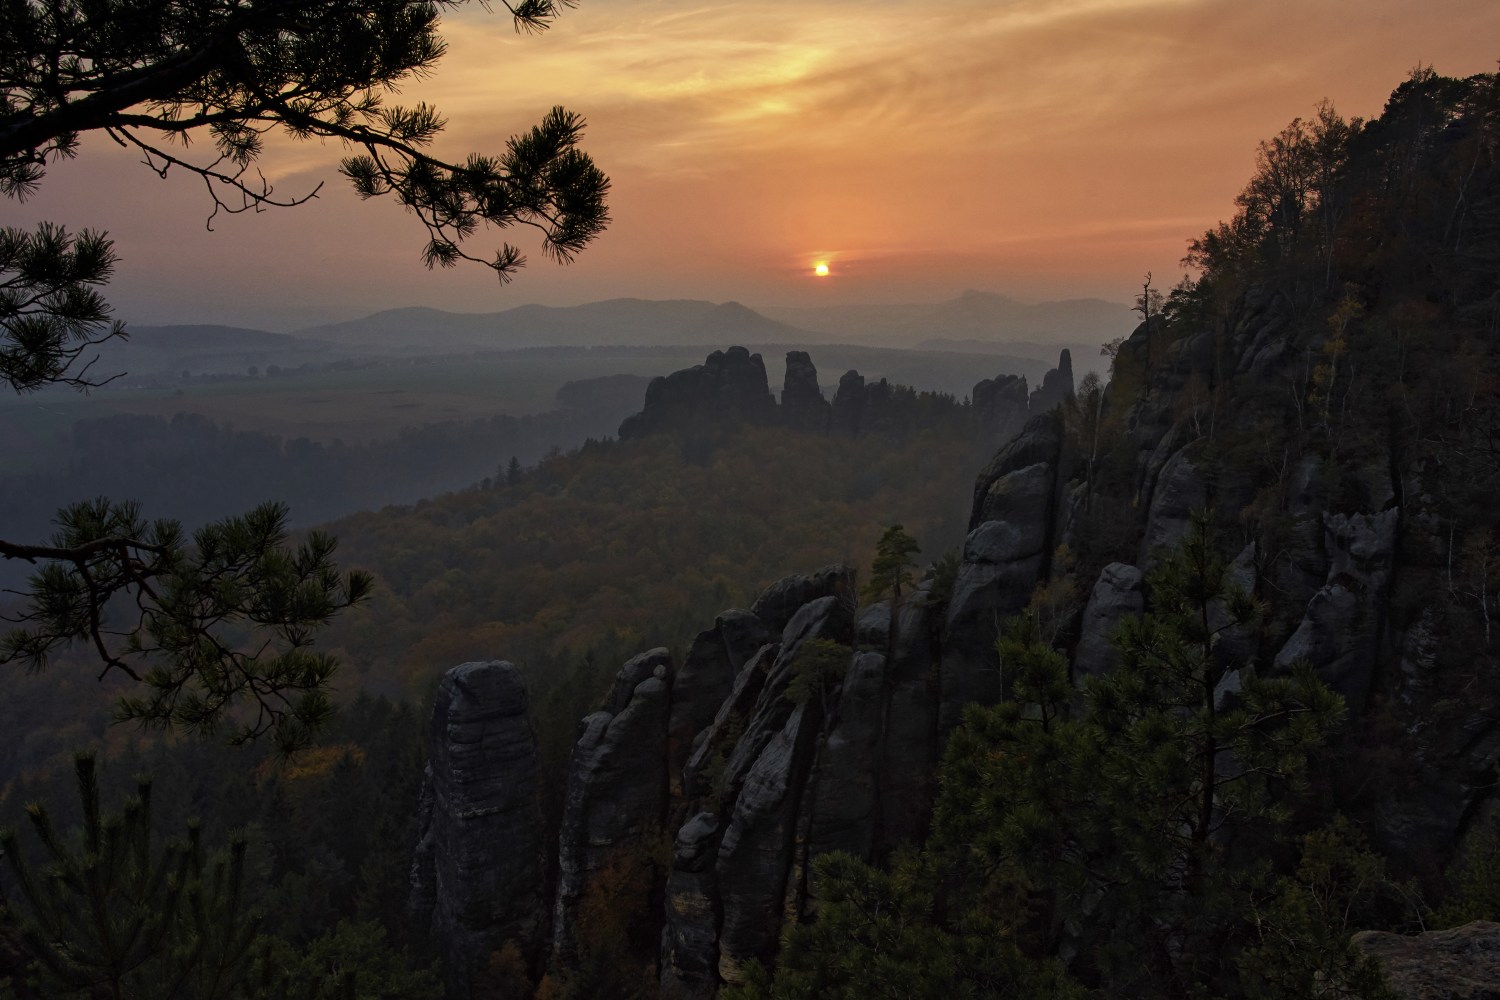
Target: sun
x,y
821,269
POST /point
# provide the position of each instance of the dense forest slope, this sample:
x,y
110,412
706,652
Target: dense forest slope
x,y
564,565
1232,615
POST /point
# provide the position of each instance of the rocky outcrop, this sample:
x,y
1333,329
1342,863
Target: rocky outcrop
x,y
1000,405
1179,491
1458,964
1005,555
1039,443
1341,628
705,776
784,598
700,404
848,414
752,785
1056,387
617,784
730,387
1116,595
773,783
706,681
803,407
749,783
690,939
478,869
910,745
843,788
755,855
861,407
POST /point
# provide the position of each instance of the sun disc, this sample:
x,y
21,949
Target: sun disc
x,y
821,269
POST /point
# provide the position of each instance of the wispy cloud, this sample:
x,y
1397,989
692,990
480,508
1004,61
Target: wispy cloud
x,y
1057,143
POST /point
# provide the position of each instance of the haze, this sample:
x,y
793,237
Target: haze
x,y
1042,148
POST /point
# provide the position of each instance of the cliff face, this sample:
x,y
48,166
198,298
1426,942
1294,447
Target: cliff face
x,y
749,778
1338,441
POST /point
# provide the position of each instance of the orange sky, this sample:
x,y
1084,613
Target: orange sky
x,y
1041,148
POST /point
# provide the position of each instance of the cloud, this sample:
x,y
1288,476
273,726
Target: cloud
x,y
1015,144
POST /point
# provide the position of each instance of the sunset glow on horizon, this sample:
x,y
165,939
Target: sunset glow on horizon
x,y
1040,148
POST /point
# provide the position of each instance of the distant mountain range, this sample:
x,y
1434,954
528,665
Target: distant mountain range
x,y
614,322
975,322
1017,337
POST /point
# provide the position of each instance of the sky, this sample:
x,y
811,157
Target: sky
x,y
1042,149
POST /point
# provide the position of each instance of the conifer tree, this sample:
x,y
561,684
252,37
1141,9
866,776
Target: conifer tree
x,y
1132,829
225,620
1127,836
891,571
114,913
893,565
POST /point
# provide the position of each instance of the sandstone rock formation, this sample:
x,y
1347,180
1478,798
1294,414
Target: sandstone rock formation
x,y
750,786
706,681
1056,387
478,871
803,407
1001,405
1116,595
1342,626
848,414
729,387
617,784
1007,552
1458,964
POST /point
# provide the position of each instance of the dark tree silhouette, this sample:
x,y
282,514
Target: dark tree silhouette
x,y
226,619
